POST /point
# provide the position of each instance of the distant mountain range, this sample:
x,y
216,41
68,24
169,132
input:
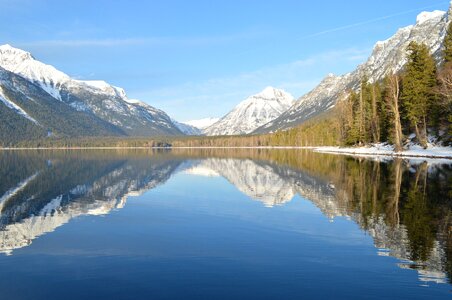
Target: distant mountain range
x,y
38,101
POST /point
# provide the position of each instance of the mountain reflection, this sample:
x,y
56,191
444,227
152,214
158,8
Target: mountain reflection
x,y
65,187
404,205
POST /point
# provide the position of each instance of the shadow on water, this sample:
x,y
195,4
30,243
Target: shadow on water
x,y
404,205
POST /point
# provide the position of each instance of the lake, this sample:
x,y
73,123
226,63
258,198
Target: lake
x,y
223,224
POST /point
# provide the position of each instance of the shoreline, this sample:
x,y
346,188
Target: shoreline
x,y
431,153
417,152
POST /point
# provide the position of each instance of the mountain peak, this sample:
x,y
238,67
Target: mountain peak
x,y
253,112
8,50
271,93
268,91
428,15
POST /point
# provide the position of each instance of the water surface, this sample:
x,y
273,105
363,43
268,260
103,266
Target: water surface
x,y
223,224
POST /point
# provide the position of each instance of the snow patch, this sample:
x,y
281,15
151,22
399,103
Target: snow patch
x,y
428,15
98,84
388,150
15,107
202,123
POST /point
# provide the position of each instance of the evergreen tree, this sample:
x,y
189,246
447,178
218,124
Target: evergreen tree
x,y
448,44
375,120
418,85
353,134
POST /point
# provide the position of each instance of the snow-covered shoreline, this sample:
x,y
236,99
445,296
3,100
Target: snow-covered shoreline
x,y
388,150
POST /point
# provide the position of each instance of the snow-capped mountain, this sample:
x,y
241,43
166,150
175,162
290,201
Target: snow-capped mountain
x,y
187,129
252,113
202,123
105,104
195,127
387,56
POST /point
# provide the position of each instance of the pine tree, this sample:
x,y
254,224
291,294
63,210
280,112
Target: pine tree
x,y
448,44
419,83
375,121
353,134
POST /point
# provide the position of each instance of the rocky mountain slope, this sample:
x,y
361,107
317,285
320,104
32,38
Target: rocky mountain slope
x,y
252,113
387,56
42,100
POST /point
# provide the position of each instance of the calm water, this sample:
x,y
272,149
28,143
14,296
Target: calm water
x,y
248,224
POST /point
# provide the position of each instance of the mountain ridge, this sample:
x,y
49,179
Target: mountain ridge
x,y
387,56
98,101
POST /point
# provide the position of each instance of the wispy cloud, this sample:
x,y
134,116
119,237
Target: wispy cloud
x,y
147,41
375,20
218,95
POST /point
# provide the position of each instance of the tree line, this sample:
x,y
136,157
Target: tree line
x,y
416,102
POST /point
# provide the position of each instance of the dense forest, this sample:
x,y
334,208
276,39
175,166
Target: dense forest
x,y
416,102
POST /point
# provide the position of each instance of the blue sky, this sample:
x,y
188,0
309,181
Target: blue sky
x,y
196,59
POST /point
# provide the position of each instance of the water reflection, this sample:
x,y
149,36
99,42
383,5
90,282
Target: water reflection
x,y
404,205
66,186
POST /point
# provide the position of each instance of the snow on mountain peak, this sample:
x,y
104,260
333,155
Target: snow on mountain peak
x,y
202,123
104,87
98,84
428,15
8,50
49,78
107,102
253,112
271,93
23,63
268,92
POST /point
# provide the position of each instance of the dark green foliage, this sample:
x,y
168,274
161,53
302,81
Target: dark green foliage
x,y
448,44
364,116
423,103
418,97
